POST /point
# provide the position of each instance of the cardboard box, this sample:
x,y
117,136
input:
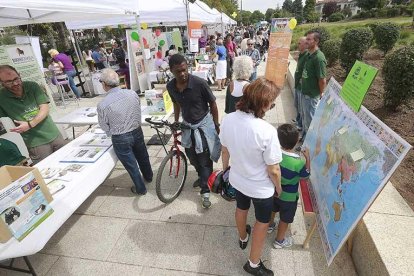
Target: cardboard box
x,y
9,174
158,102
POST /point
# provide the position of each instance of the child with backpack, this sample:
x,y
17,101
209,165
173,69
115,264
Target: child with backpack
x,y
293,168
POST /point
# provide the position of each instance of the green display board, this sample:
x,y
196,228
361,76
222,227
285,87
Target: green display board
x,y
357,84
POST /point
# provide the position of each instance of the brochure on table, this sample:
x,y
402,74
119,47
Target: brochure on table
x,y
23,206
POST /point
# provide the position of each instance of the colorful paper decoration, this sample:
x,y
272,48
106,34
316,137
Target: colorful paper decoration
x,y
135,44
159,54
157,32
144,26
234,14
162,42
135,36
292,23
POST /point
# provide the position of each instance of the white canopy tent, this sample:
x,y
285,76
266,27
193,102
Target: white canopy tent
x,y
14,13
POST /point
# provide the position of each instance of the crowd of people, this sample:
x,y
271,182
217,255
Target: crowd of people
x,y
265,163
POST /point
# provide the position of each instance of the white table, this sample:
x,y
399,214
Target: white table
x,y
66,201
79,117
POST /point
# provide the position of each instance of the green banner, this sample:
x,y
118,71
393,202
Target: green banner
x,y
357,84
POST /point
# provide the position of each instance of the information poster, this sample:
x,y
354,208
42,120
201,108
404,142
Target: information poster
x,y
177,40
23,59
353,155
277,59
357,83
23,206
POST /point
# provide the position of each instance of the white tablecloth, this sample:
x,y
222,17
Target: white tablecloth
x,y
79,117
66,201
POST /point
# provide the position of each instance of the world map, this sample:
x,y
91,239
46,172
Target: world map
x,y
350,164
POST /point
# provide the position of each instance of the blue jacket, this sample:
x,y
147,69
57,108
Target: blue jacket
x,y
209,130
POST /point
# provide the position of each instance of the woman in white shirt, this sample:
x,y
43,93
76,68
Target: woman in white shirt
x,y
252,146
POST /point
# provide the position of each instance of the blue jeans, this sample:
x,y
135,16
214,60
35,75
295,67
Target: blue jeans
x,y
130,148
296,103
72,84
308,106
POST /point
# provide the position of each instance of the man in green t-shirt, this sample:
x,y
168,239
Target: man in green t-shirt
x,y
303,53
313,79
27,105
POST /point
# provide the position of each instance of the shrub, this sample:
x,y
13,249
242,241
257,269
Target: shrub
x,y
337,16
393,12
381,13
398,73
405,34
354,44
331,50
386,35
325,35
373,26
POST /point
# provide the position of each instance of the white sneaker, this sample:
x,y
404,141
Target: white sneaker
x,y
287,242
205,202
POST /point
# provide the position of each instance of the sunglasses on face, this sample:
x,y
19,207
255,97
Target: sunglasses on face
x,y
250,44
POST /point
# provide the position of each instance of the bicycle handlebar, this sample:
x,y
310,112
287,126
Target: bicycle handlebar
x,y
161,123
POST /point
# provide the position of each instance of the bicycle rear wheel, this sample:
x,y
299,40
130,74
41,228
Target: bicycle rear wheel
x,y
171,176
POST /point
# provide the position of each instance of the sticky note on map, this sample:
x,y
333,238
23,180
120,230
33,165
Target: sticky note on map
x,y
357,155
343,129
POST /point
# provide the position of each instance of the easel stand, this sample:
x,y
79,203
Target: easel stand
x,y
30,269
307,209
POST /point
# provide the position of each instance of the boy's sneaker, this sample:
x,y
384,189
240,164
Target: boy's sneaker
x,y
243,244
287,242
205,202
273,226
261,270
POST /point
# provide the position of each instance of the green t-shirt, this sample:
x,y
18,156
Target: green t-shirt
x,y
293,169
299,69
25,109
313,71
9,153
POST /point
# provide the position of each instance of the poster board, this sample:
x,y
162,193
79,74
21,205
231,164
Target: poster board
x,y
176,39
10,174
158,102
277,59
35,42
353,155
137,64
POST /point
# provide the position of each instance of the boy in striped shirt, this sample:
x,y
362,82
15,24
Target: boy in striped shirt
x,y
293,168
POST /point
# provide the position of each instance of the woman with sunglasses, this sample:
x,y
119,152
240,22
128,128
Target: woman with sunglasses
x,y
254,54
252,147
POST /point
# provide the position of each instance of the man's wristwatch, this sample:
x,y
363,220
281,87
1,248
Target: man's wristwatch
x,y
30,126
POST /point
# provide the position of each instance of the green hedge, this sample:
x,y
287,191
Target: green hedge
x,y
331,50
335,17
354,44
386,35
398,73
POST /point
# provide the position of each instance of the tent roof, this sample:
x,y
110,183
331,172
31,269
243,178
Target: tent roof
x,y
13,12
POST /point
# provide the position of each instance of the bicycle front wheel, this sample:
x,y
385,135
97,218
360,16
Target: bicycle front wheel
x,y
171,176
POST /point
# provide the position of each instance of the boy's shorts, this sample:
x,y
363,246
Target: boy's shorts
x,y
287,209
262,206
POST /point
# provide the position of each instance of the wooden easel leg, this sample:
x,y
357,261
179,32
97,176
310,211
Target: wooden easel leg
x,y
310,233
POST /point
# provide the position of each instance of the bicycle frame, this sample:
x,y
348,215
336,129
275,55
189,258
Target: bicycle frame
x,y
175,146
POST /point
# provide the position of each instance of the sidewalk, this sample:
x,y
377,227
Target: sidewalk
x,y
116,233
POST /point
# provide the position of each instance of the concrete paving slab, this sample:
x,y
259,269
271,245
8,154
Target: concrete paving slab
x,y
159,244
75,266
167,272
86,236
123,204
91,205
42,263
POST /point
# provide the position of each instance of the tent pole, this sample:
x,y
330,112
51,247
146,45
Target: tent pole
x,y
79,55
187,10
222,26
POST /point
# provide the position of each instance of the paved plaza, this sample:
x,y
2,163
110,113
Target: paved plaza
x,y
117,233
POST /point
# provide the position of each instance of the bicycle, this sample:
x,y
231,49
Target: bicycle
x,y
172,172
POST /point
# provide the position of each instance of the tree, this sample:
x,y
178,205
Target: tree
x,y
288,6
257,16
309,10
370,4
298,10
329,8
245,17
269,14
281,13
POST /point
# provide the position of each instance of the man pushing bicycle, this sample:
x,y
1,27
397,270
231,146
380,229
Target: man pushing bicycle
x,y
193,97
